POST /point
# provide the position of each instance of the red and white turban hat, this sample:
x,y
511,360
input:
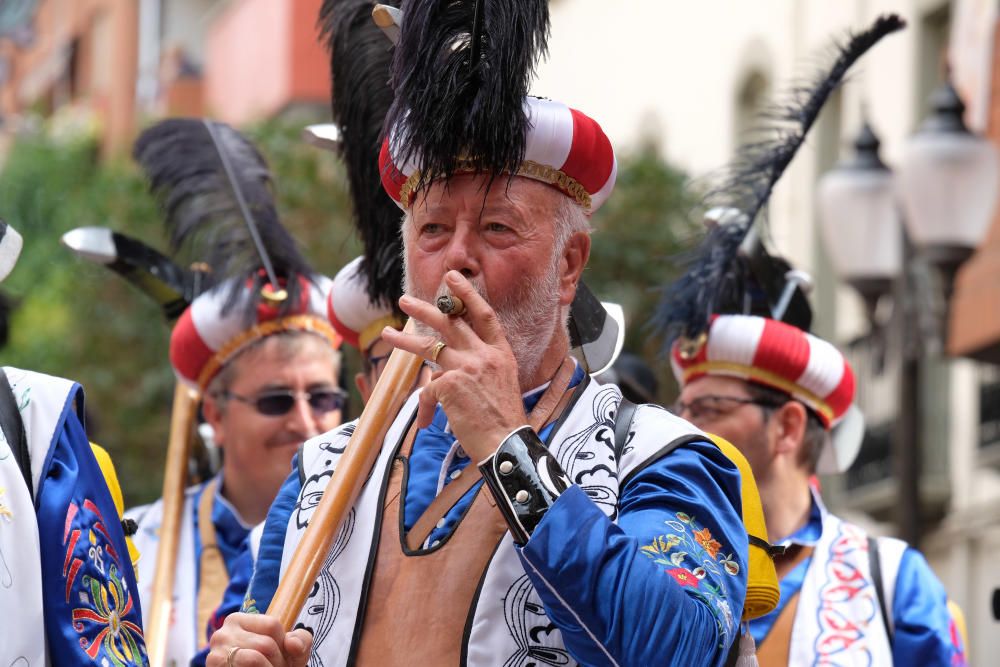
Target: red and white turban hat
x,y
565,149
351,311
207,337
774,354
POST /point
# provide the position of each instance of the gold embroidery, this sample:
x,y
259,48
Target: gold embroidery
x,y
311,323
4,510
770,378
528,169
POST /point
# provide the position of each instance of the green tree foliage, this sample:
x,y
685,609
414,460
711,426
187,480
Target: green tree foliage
x,y
638,237
77,320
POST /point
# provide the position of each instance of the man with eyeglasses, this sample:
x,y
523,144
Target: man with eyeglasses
x,y
267,386
775,392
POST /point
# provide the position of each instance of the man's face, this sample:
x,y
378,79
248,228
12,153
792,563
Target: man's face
x,y
504,243
258,448
723,406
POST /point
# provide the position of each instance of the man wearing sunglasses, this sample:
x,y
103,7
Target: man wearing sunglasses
x,y
775,391
266,387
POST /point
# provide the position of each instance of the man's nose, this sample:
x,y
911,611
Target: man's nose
x,y
462,253
302,419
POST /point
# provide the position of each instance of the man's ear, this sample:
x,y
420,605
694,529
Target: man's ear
x,y
789,422
212,412
571,265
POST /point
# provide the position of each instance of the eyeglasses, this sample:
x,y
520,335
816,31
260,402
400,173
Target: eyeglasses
x,y
277,403
711,406
378,363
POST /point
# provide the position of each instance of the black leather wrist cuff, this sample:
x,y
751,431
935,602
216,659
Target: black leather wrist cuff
x,y
525,479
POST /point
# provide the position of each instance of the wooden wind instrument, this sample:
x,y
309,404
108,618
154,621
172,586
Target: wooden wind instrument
x,y
174,483
362,450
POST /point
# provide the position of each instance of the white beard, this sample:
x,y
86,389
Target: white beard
x,y
529,317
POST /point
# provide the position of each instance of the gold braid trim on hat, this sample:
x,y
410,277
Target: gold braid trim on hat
x,y
760,375
304,322
528,169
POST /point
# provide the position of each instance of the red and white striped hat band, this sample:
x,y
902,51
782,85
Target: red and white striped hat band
x,y
774,354
565,149
204,339
351,312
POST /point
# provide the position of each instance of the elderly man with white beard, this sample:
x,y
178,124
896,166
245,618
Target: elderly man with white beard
x,y
641,557
503,522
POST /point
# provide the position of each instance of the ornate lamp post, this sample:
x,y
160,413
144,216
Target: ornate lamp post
x,y
860,221
947,185
947,182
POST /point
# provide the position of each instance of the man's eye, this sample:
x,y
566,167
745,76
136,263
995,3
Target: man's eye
x,y
431,228
497,227
704,412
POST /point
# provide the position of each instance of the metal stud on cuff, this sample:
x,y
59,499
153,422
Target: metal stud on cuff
x,y
525,479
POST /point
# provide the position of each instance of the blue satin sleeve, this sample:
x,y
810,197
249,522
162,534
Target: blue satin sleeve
x,y
924,632
664,584
92,613
267,569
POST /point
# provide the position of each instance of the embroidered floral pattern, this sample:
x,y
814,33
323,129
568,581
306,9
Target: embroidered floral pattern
x,y
103,610
704,538
684,577
690,554
102,624
5,512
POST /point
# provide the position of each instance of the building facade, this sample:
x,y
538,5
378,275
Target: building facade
x,y
114,63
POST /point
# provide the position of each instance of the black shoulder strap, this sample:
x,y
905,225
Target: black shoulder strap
x,y
13,430
623,424
875,563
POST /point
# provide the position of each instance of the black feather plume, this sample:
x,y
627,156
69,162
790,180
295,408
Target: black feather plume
x,y
715,277
454,111
215,190
360,55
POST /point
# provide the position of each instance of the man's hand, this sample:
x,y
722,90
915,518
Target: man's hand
x,y
478,382
260,640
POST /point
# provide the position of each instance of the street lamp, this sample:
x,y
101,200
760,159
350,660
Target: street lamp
x,y
947,185
860,221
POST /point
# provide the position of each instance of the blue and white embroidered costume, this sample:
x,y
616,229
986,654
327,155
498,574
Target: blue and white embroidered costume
x,y
602,579
185,638
64,562
838,620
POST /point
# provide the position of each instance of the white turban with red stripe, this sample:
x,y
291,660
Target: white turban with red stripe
x,y
351,311
207,335
774,354
565,149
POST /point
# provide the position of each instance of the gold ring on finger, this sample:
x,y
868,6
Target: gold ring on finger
x,y
232,655
436,350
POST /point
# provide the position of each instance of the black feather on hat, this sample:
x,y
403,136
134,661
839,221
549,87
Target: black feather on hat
x,y
716,278
215,189
461,72
360,55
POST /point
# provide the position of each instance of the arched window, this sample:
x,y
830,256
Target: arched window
x,y
752,96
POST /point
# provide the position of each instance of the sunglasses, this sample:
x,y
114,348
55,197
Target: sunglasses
x,y
278,403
